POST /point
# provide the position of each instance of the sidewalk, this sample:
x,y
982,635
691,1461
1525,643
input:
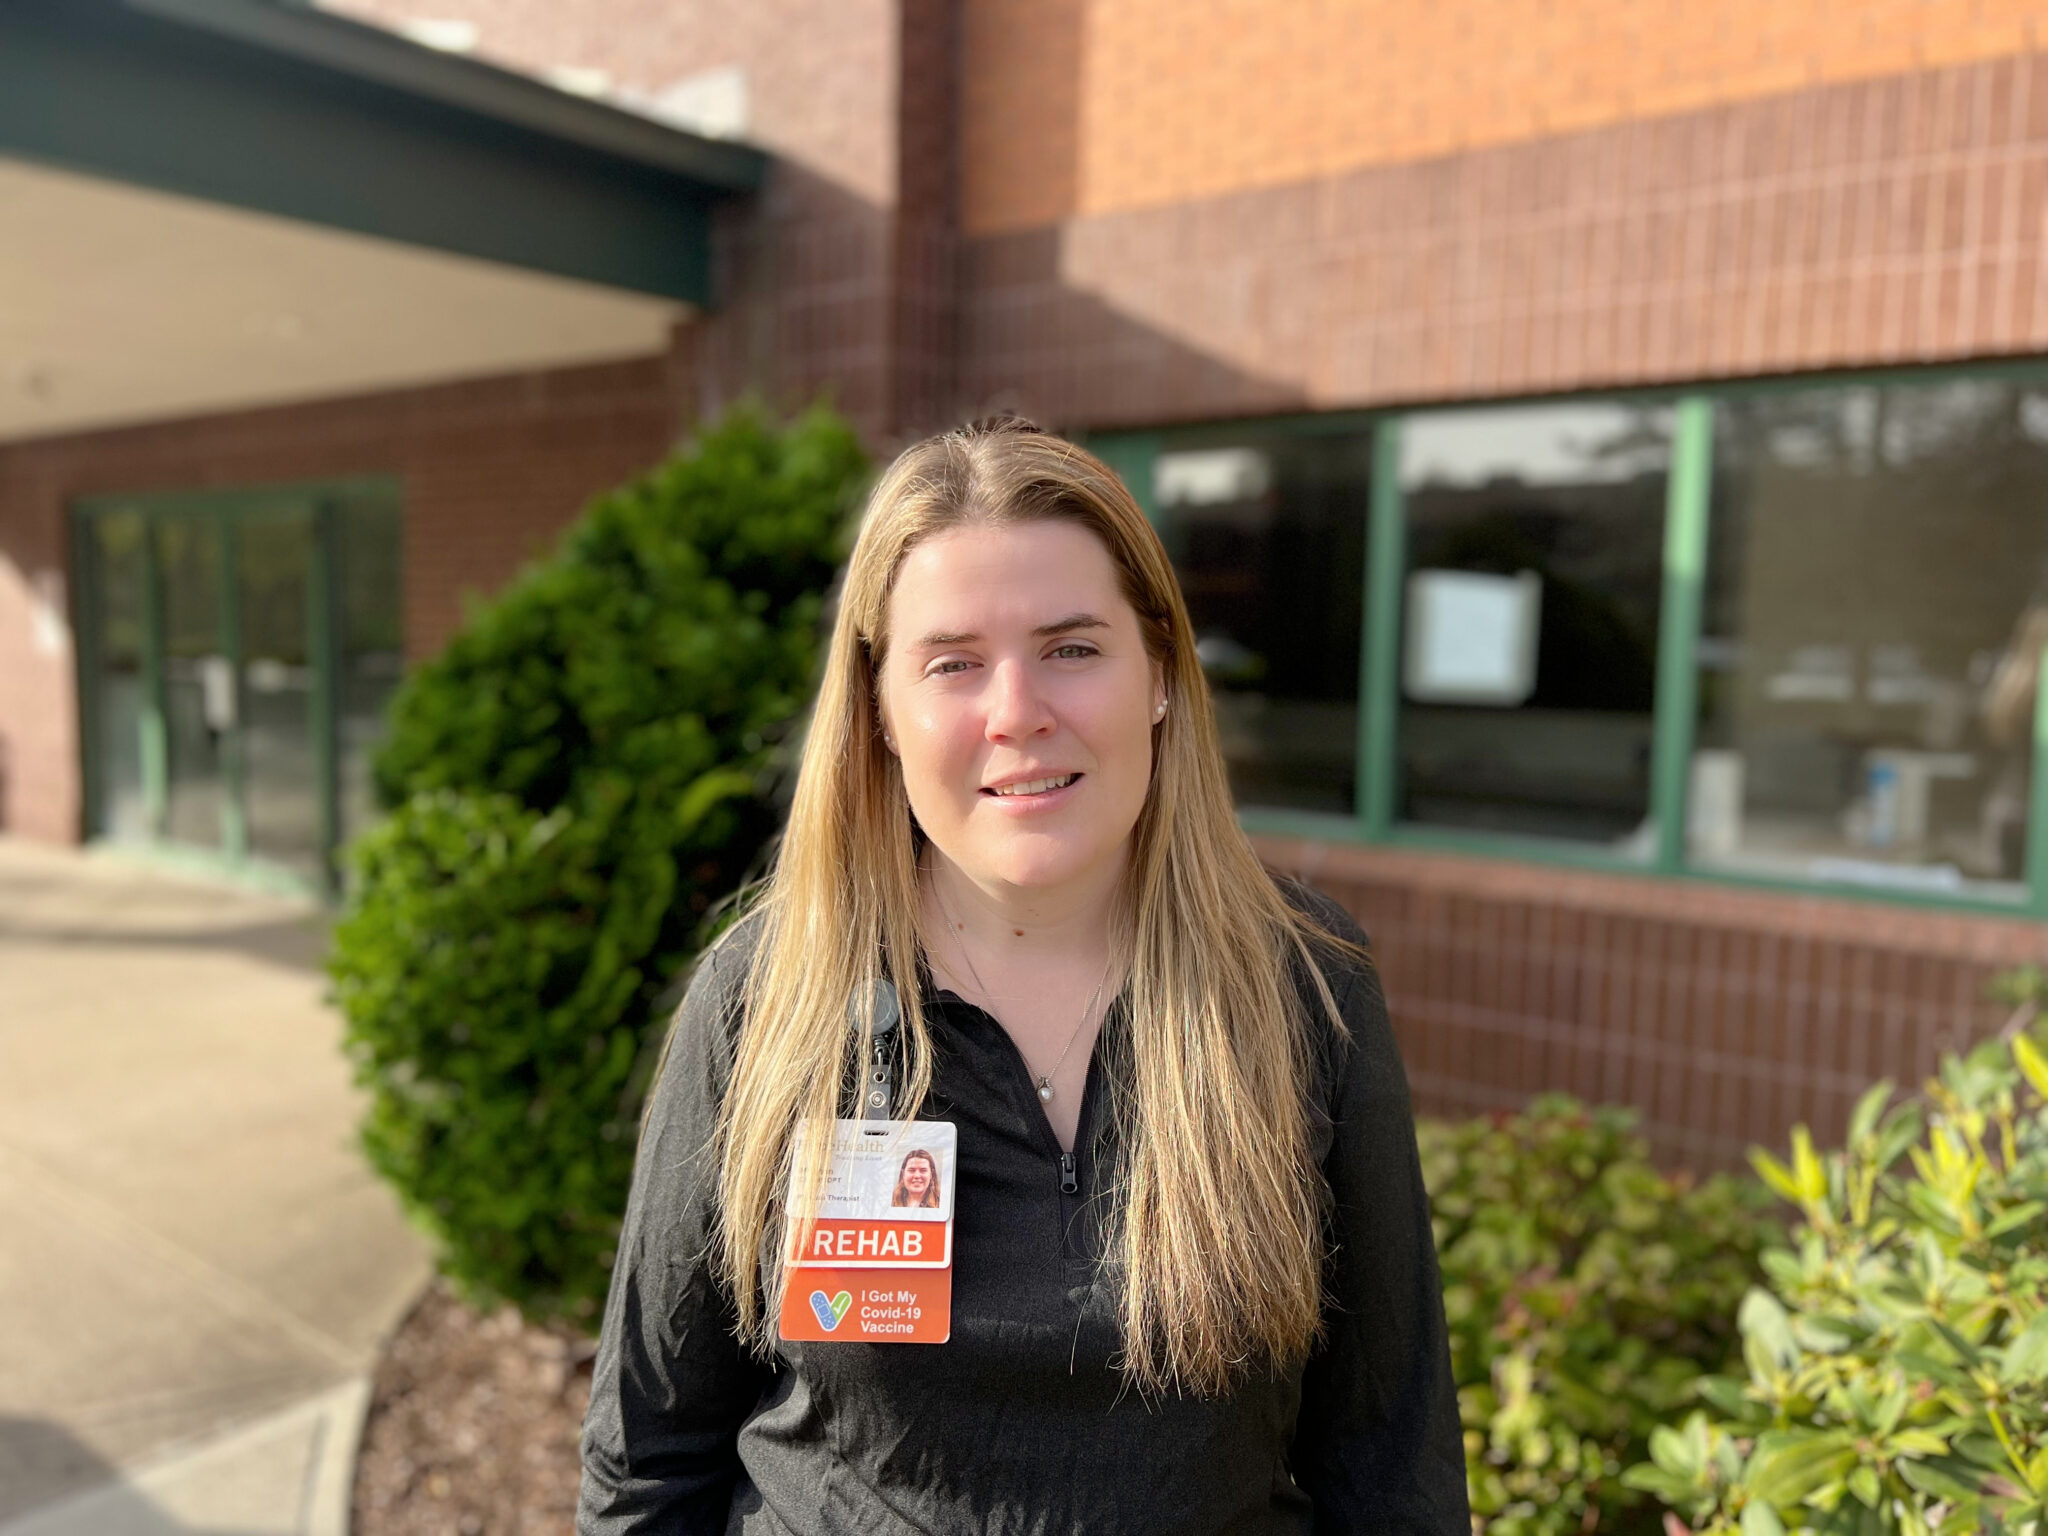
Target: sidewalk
x,y
197,1267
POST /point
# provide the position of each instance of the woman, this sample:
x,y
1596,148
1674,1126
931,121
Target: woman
x,y
917,1181
1193,1287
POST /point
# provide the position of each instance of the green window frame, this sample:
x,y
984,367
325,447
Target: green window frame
x,y
1687,525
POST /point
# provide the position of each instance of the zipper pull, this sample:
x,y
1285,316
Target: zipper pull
x,y
1068,1183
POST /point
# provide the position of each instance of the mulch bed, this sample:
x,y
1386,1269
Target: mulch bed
x,y
472,1427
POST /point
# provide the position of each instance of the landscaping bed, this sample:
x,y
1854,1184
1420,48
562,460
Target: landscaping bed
x,y
472,1426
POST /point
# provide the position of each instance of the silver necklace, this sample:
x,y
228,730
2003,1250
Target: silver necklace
x,y
1044,1082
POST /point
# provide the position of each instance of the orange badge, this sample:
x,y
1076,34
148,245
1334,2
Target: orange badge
x,y
876,1265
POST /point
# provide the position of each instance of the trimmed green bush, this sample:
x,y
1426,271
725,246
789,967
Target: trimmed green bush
x,y
1898,1360
572,784
1586,1292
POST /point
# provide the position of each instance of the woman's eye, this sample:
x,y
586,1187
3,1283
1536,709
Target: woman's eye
x,y
1076,650
946,668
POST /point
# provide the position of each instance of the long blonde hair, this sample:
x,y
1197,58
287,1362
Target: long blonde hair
x,y
1214,1235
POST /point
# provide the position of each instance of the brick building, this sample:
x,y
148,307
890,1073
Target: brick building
x,y
1605,446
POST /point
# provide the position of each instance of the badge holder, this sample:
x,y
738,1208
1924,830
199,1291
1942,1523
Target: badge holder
x,y
877,1265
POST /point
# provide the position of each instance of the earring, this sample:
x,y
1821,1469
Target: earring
x,y
1159,710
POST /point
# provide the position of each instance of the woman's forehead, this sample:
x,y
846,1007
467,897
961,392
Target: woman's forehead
x,y
968,583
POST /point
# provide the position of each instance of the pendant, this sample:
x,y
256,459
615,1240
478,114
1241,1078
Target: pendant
x,y
1045,1090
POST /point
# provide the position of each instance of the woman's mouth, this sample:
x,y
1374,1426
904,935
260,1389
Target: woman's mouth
x,y
1029,787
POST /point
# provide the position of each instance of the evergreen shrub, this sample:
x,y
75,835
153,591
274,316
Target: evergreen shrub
x,y
1897,1360
1585,1293
571,785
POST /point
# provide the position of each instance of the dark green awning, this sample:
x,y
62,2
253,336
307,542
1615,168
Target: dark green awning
x,y
291,111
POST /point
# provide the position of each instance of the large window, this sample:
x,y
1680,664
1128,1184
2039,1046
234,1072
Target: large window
x,y
1267,530
1529,608
1877,602
1789,633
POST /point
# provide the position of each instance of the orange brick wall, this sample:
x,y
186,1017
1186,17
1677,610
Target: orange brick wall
x,y
1868,223
1092,106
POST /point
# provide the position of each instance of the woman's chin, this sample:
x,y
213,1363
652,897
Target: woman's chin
x,y
1041,868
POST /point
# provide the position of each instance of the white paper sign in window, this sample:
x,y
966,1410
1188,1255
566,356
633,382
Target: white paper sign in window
x,y
1472,637
1209,477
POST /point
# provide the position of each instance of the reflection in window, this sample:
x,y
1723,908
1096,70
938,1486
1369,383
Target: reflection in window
x,y
1529,646
1876,605
1267,532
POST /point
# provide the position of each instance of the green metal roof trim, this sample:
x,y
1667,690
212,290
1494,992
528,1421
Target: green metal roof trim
x,y
287,110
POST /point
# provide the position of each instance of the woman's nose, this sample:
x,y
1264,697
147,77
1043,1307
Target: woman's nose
x,y
1016,706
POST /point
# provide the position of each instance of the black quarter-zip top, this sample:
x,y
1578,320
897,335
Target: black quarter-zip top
x,y
1022,1421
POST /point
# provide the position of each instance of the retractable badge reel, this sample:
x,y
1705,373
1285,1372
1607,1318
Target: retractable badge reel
x,y
877,1264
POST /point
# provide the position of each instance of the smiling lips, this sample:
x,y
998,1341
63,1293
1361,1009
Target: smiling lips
x,y
1023,787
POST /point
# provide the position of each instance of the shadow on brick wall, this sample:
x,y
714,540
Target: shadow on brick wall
x,y
1034,340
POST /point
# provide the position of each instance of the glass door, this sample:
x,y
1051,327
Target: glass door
x,y
237,649
120,731
196,688
274,574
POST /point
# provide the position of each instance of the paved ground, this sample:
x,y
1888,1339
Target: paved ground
x,y
195,1266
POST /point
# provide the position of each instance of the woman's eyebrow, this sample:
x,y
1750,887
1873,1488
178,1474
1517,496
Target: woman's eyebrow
x,y
939,639
1070,623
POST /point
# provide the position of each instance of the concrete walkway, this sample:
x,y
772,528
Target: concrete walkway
x,y
196,1267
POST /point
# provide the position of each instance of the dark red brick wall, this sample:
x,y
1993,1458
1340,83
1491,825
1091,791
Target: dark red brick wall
x,y
810,273
1725,1016
924,283
492,471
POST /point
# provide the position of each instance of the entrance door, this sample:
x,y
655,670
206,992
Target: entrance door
x,y
282,794
195,689
236,652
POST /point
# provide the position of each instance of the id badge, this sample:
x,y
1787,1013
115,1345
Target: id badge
x,y
877,1266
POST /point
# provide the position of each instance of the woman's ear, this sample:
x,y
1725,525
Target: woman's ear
x,y
881,702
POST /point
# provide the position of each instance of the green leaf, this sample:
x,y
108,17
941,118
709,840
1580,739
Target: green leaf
x,y
1789,1465
1811,1177
2026,1357
2013,1220
1782,1181
1967,1352
1826,1334
1917,1442
1670,1487
1767,1332
709,790
1676,1452
1947,1478
1724,1393
1759,1519
1863,1119
2032,1063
